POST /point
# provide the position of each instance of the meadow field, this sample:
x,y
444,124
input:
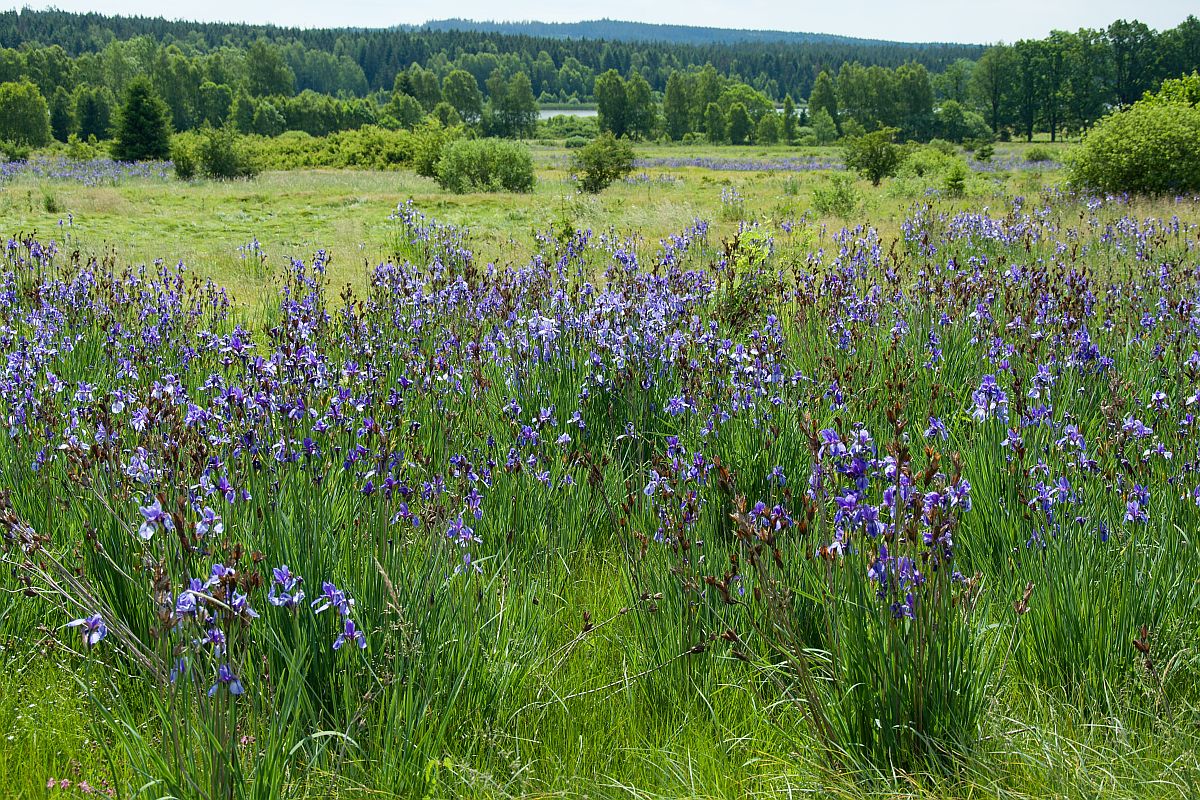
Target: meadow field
x,y
334,484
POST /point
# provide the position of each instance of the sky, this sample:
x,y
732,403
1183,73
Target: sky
x,y
976,21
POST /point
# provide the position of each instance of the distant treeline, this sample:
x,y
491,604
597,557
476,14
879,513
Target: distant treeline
x,y
358,61
622,31
265,80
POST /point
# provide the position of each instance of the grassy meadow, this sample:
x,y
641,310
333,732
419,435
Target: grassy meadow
x,y
209,224
681,490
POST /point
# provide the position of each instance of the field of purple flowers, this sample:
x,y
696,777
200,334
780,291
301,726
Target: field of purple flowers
x,y
788,510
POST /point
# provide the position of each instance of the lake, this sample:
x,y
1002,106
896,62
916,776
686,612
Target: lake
x,y
547,113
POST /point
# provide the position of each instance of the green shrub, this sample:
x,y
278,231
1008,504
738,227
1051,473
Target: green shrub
x,y
1150,147
874,155
224,155
564,126
79,150
954,181
485,165
984,150
50,201
838,198
13,151
575,142
183,156
929,161
602,161
429,141
942,146
372,147
1039,154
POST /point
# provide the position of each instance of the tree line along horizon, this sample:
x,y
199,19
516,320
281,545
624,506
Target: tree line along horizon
x,y
269,81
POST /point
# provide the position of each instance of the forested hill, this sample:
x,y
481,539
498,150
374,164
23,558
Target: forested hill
x,y
775,67
623,31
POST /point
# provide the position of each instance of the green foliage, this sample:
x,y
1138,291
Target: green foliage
x,y
485,165
837,197
62,114
1185,90
143,130
602,161
805,137
93,112
429,141
214,102
823,127
461,92
983,149
956,123
268,120
612,103
566,126
768,129
512,110
740,124
1061,83
874,155
11,151
788,125
370,147
405,110
183,156
24,116
80,150
445,114
1038,155
954,183
677,107
714,124
824,98
225,155
267,73
942,146
419,83
1150,147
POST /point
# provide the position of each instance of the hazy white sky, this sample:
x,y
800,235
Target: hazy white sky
x,y
914,20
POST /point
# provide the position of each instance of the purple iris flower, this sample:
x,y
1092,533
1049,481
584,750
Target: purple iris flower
x,y
94,629
225,676
350,633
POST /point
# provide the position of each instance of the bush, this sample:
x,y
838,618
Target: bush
x,y
563,126
429,141
224,155
575,142
602,161
79,150
874,155
942,146
1151,147
983,149
371,147
12,151
1039,154
838,198
485,165
954,182
927,162
183,156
